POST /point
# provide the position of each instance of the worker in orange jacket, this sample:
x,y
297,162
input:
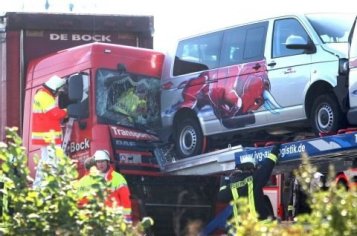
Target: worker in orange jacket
x,y
46,124
119,193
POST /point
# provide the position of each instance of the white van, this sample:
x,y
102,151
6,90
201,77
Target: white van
x,y
274,75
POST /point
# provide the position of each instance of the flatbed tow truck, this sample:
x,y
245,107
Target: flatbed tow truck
x,y
339,150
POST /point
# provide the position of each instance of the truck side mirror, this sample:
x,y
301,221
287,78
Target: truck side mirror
x,y
79,110
78,96
75,87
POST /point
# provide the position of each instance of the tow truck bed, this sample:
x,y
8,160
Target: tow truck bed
x,y
320,150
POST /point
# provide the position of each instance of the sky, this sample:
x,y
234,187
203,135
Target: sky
x,y
174,19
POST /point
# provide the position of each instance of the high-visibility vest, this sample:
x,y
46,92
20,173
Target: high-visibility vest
x,y
46,118
248,182
234,188
118,194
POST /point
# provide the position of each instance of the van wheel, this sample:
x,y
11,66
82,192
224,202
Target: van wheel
x,y
189,140
326,115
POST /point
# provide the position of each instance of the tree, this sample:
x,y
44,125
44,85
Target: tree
x,y
333,211
52,209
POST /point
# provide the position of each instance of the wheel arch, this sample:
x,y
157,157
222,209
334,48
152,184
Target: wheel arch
x,y
316,89
181,114
184,113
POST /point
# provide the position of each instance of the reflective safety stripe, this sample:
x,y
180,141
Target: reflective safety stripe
x,y
48,137
126,211
235,207
251,201
234,189
242,183
272,157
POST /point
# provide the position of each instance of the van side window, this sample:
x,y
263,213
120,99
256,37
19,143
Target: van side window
x,y
282,30
254,44
243,44
197,54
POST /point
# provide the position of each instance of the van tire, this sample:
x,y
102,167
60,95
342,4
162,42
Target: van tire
x,y
326,115
189,139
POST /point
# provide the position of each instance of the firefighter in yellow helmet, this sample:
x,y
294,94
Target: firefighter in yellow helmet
x,y
46,123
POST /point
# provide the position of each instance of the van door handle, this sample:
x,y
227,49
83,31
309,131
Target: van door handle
x,y
273,63
257,66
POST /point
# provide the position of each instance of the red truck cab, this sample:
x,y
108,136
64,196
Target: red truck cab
x,y
112,94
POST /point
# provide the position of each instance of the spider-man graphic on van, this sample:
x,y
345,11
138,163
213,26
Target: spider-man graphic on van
x,y
233,98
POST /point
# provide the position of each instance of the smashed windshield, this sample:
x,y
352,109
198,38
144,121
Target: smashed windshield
x,y
127,99
332,28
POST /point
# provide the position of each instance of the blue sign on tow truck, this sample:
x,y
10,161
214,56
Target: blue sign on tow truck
x,y
323,147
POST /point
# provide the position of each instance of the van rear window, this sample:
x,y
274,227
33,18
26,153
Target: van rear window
x,y
198,53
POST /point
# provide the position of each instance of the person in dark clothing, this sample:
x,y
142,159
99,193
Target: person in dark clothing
x,y
248,181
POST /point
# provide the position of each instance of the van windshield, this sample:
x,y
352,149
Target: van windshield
x,y
332,28
127,99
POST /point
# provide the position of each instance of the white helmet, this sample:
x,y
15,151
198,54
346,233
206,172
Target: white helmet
x,y
55,82
101,155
